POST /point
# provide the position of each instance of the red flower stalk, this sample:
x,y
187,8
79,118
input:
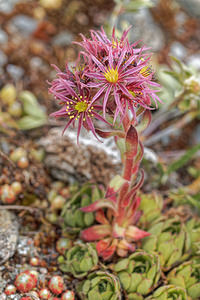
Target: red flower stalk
x,y
118,212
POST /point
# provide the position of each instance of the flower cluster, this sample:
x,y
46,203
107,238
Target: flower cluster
x,y
111,77
114,83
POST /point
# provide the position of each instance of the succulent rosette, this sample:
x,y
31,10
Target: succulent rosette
x,y
79,260
187,276
170,239
139,273
151,206
100,285
74,218
169,292
193,228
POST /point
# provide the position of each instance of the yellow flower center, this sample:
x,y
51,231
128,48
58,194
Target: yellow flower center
x,y
111,75
81,106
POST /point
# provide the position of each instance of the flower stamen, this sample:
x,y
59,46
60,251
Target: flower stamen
x,y
112,75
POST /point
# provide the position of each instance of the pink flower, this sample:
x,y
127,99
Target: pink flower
x,y
119,69
75,101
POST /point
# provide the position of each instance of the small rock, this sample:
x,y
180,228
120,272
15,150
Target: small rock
x,y
26,25
3,59
15,72
194,61
64,38
25,246
8,235
3,37
178,50
191,6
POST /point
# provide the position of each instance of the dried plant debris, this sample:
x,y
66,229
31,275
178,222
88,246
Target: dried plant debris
x,y
68,161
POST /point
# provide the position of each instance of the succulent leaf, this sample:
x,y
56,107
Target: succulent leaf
x,y
79,260
100,285
139,273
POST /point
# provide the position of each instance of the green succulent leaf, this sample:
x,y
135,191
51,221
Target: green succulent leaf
x,y
100,285
139,273
79,260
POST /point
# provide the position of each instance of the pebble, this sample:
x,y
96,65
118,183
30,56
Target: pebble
x,y
64,38
3,37
15,72
24,24
194,61
3,59
191,6
8,235
6,6
178,50
25,246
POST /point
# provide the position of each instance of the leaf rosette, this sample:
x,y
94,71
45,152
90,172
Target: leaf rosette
x,y
151,206
139,273
187,276
74,218
169,292
170,239
79,260
100,286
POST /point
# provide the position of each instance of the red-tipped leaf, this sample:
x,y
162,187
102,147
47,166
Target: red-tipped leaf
x,y
102,203
135,233
95,233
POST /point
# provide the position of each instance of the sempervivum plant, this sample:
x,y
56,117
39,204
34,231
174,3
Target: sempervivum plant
x,y
100,285
187,276
193,227
170,239
151,206
74,218
114,84
169,292
139,273
79,260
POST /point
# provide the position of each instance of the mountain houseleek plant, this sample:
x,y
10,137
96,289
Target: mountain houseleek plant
x,y
112,83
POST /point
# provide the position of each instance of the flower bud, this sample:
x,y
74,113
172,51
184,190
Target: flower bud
x,y
34,261
24,282
17,154
44,294
10,290
56,285
8,94
16,187
15,109
57,203
23,162
63,244
7,194
68,295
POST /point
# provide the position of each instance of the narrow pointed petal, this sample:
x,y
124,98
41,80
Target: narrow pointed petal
x,y
106,99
